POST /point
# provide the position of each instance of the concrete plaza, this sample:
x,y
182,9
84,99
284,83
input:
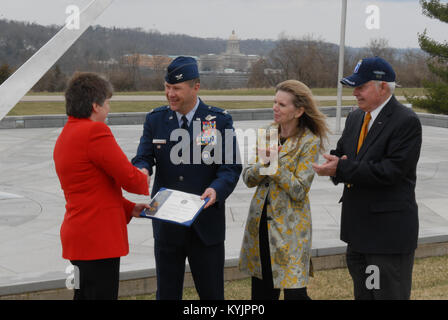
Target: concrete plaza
x,y
32,207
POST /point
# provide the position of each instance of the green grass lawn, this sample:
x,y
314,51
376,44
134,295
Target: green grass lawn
x,y
430,282
39,108
249,92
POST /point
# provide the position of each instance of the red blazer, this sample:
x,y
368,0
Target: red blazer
x,y
92,169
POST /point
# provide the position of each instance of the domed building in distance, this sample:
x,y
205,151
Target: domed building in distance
x,y
230,61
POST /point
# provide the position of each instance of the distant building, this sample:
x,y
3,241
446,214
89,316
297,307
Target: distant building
x,y
107,63
153,62
230,61
229,69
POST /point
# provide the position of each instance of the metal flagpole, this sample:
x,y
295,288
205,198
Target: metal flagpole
x,y
341,65
19,83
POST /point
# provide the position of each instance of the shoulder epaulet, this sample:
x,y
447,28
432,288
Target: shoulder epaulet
x,y
217,110
158,109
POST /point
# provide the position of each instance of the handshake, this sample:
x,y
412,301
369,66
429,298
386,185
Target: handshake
x,y
146,172
139,207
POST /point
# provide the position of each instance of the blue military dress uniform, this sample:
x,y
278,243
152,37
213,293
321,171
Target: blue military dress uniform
x,y
154,150
208,230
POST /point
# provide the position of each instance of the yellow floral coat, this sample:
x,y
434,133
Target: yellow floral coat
x,y
290,228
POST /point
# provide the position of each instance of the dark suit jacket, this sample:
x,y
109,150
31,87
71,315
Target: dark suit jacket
x,y
192,178
379,210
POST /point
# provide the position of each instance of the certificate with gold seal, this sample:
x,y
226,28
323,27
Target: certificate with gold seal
x,y
174,206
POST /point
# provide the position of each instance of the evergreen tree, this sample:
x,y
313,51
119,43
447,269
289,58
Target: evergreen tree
x,y
5,72
436,99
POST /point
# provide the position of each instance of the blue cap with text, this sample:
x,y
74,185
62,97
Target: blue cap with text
x,y
368,69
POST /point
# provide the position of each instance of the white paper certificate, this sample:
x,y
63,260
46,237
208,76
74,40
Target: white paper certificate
x,y
174,206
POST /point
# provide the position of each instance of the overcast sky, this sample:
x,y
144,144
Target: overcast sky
x,y
399,20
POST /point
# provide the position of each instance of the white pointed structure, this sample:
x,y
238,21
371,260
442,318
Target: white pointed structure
x,y
19,83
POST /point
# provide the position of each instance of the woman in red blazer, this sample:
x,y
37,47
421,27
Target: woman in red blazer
x,y
92,170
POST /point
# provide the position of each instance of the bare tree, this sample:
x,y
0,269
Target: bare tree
x,y
311,61
380,47
258,77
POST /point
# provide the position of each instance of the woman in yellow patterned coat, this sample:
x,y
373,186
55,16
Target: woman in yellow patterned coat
x,y
276,249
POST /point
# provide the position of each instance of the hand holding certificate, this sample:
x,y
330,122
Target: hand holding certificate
x,y
174,206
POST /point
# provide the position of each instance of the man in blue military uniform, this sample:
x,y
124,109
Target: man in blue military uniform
x,y
203,242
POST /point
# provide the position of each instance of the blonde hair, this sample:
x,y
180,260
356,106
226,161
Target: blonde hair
x,y
312,118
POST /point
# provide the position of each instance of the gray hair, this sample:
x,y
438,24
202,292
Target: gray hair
x,y
391,85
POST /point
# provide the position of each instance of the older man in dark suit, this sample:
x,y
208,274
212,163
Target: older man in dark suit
x,y
376,158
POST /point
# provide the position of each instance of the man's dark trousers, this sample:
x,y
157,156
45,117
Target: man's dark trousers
x,y
394,280
206,261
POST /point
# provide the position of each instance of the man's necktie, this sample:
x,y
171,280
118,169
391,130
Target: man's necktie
x,y
183,126
364,130
184,123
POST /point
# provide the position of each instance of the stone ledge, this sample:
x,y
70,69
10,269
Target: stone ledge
x,y
142,282
136,118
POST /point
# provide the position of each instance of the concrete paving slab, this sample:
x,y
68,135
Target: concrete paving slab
x,y
32,207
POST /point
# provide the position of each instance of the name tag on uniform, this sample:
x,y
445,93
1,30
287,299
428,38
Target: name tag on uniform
x,y
159,141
